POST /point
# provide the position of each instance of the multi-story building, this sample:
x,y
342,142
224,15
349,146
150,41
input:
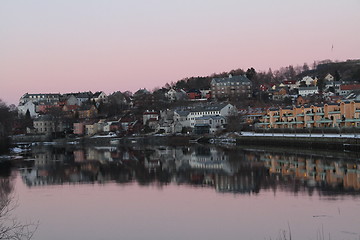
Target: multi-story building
x,y
232,86
40,97
223,109
343,114
47,125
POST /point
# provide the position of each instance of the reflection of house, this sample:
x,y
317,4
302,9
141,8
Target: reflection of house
x,y
235,184
210,159
315,170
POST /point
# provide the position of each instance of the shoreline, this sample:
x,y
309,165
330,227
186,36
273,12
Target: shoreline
x,y
349,142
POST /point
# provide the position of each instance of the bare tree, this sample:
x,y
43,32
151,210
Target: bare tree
x,y
10,227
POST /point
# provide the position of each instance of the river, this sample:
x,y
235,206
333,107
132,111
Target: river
x,y
189,192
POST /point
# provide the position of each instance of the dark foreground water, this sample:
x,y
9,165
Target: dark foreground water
x,y
198,192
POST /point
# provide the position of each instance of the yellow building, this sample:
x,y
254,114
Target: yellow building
x,y
343,114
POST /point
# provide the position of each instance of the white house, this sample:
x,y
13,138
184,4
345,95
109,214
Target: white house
x,y
308,80
304,91
99,97
37,97
224,110
329,77
22,109
215,122
175,95
181,116
72,100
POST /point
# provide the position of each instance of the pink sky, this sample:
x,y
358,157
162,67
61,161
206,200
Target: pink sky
x,y
69,46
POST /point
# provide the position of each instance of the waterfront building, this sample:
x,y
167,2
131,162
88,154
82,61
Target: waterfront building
x,y
223,109
343,114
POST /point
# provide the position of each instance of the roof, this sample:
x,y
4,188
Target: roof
x,y
97,94
307,88
202,125
210,107
210,117
350,87
86,107
44,118
193,91
182,113
232,79
46,95
83,94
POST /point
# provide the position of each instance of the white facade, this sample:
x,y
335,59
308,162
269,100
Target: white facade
x,y
304,91
72,100
22,109
215,122
308,80
329,77
99,97
224,110
182,118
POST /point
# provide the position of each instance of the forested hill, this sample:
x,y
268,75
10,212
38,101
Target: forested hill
x,y
347,71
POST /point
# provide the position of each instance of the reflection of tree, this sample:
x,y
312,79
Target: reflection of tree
x,y
10,227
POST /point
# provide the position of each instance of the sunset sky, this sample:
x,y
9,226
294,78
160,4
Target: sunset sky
x,y
118,45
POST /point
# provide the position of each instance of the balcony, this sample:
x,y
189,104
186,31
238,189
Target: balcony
x,y
324,121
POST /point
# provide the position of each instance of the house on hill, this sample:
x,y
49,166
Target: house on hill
x,y
223,109
99,97
88,111
232,86
304,91
175,95
347,89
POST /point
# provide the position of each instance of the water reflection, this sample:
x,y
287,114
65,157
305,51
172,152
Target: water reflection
x,y
233,170
10,226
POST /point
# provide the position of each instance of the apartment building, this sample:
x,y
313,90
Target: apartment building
x,y
343,114
232,86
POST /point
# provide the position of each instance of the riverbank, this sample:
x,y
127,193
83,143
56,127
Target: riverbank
x,y
347,142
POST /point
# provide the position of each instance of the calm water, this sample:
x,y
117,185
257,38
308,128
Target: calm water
x,y
198,192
